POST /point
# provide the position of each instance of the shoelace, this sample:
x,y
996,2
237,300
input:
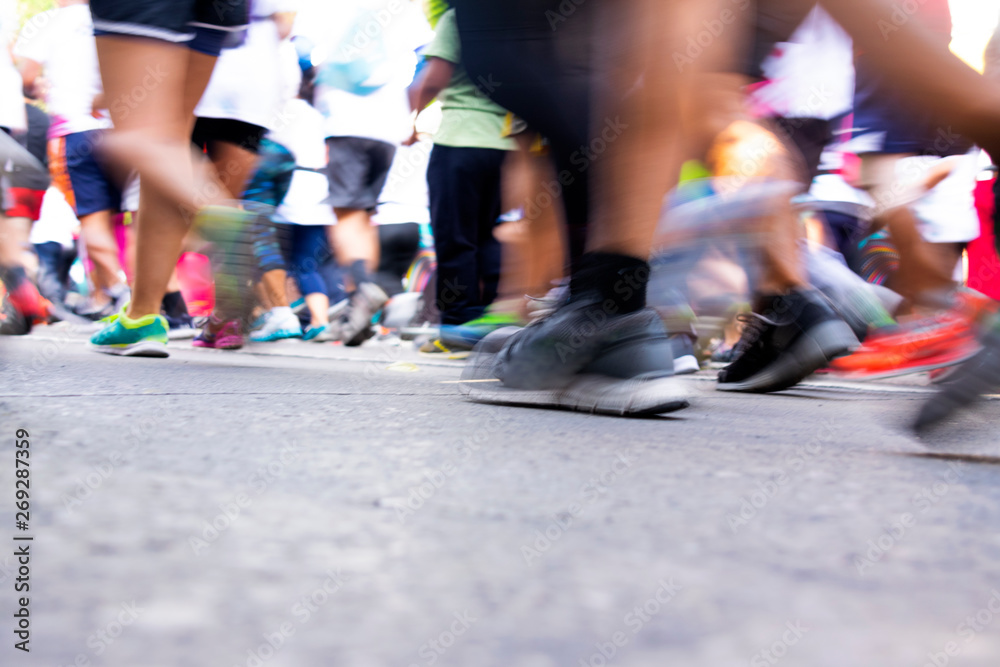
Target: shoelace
x,y
110,319
754,326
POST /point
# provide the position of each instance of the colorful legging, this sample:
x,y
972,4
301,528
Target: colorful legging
x,y
265,192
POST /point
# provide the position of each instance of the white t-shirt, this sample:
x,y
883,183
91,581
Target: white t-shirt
x,y
12,114
366,53
56,222
62,40
947,213
302,134
404,197
811,75
246,84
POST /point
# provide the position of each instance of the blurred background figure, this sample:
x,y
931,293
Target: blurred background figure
x,y
152,131
22,181
464,180
366,54
58,62
232,120
303,220
794,331
799,177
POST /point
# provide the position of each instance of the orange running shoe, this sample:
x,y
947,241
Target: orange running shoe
x,y
975,305
923,345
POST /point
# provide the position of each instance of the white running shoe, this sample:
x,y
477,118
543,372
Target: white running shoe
x,y
279,324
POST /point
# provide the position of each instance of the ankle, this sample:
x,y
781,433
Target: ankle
x,y
173,304
619,281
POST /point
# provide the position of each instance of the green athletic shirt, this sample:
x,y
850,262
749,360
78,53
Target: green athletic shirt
x,y
469,119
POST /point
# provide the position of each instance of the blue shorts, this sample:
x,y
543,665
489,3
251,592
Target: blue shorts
x,y
77,171
203,25
891,124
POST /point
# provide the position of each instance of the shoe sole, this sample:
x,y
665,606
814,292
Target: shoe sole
x,y
277,335
221,343
815,350
593,394
930,364
144,348
224,345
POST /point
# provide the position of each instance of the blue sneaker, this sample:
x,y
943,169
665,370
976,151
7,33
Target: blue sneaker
x,y
142,337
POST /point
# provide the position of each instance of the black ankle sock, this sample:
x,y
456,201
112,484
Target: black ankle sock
x,y
359,273
173,305
620,279
12,276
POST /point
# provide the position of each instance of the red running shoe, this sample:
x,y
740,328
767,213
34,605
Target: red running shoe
x,y
28,301
923,345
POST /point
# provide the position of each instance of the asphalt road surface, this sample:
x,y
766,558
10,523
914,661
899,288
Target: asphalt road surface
x,y
306,505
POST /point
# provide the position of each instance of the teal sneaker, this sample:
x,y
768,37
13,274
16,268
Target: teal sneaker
x,y
280,323
142,337
319,333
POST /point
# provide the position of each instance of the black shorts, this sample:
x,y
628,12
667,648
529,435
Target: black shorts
x,y
546,68
245,135
357,171
201,24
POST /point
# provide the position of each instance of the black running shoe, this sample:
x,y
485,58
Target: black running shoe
x,y
785,340
579,358
966,385
181,327
355,325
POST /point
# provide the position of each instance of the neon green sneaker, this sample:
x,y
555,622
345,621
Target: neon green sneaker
x,y
465,336
142,337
